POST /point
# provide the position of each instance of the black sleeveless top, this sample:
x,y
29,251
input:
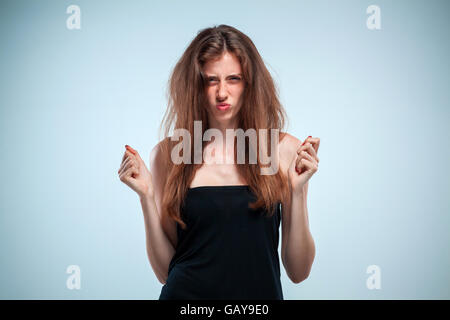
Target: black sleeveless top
x,y
228,250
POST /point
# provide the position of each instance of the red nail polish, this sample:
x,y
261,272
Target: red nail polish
x,y
306,139
130,149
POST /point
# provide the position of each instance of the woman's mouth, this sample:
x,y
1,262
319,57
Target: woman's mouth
x,y
223,106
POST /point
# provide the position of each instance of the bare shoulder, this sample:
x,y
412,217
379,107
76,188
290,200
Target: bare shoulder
x,y
289,145
159,168
156,155
156,162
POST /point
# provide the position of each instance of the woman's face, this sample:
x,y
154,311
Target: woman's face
x,y
224,85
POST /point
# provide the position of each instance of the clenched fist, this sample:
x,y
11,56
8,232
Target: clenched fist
x,y
134,173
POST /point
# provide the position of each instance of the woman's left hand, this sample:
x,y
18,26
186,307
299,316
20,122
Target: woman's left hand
x,y
304,164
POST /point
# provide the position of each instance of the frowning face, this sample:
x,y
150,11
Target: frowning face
x,y
224,88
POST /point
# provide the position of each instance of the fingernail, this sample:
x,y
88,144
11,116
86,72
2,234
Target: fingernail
x,y
130,149
306,139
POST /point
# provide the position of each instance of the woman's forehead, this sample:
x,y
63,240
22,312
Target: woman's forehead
x,y
227,64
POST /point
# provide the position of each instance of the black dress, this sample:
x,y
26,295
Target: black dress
x,y
228,250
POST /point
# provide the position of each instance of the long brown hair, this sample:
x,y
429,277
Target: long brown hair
x,y
261,109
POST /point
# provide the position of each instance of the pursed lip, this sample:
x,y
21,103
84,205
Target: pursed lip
x,y
223,104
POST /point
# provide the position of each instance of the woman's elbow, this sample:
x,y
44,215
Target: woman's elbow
x,y
303,274
300,278
162,279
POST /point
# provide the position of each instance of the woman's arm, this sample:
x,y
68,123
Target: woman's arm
x,y
159,249
161,234
148,184
298,250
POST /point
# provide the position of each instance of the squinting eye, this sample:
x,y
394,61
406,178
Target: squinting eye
x,y
232,78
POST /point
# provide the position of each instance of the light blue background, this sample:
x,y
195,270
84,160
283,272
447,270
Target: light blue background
x,y
71,99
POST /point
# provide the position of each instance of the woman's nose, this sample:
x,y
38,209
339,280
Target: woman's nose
x,y
222,91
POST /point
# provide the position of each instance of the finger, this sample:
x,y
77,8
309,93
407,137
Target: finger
x,y
308,148
298,163
127,159
127,154
299,166
312,151
306,165
306,155
310,165
126,165
125,162
306,140
130,149
135,153
138,157
315,142
127,173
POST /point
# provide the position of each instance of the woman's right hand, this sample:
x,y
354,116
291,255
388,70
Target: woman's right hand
x,y
134,173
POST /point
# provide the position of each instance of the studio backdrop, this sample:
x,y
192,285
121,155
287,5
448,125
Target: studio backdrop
x,y
80,79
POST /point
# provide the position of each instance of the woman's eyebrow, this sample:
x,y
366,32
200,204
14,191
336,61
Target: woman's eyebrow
x,y
233,74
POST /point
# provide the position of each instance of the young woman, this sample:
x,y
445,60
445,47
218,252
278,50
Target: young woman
x,y
212,227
